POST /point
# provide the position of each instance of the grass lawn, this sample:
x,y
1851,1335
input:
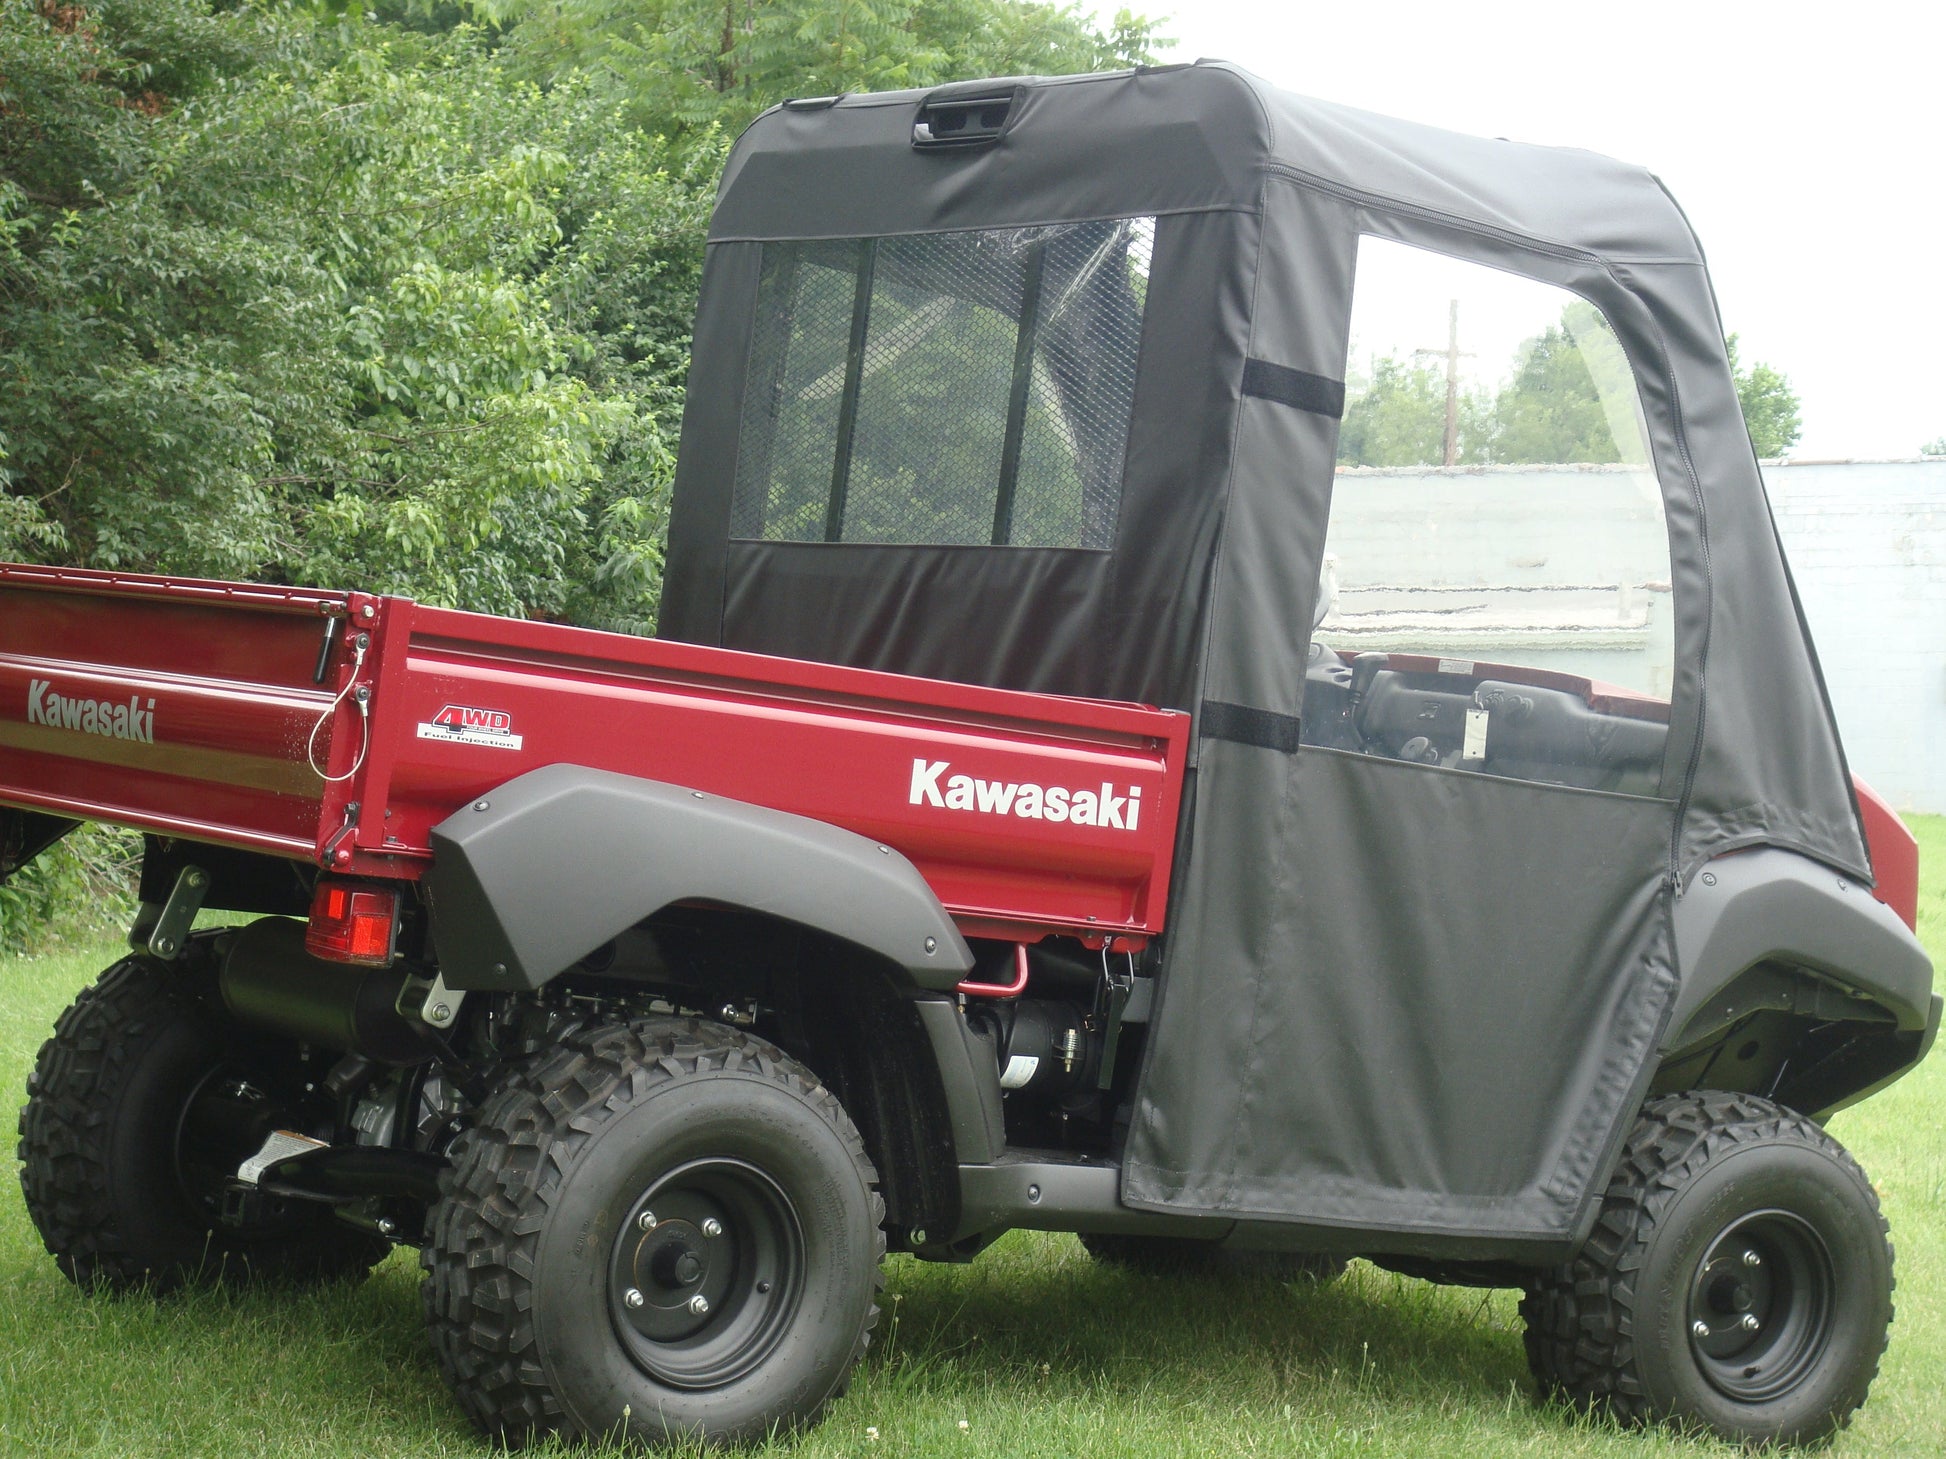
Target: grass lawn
x,y
1031,1351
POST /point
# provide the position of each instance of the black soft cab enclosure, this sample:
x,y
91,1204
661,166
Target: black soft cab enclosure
x,y
1411,465
1125,393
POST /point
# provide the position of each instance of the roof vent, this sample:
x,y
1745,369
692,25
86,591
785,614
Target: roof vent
x,y
961,121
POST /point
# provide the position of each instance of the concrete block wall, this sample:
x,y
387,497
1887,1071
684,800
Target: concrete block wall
x,y
1867,546
1552,567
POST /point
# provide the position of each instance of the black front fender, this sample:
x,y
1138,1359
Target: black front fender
x,y
1770,906
542,871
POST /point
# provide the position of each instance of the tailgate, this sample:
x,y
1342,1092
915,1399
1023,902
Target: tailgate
x,y
176,706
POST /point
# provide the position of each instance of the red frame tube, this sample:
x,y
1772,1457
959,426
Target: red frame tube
x,y
1001,990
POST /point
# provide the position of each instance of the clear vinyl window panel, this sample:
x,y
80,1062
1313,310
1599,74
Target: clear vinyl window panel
x,y
952,389
1496,591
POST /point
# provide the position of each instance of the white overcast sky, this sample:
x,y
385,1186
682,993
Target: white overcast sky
x,y
1807,143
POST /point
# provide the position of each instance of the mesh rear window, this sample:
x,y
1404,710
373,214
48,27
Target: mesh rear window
x,y
948,389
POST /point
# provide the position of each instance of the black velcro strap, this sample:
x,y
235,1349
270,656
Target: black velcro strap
x,y
1294,387
1243,725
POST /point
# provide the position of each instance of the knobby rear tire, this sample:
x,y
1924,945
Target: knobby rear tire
x,y
100,1141
536,1241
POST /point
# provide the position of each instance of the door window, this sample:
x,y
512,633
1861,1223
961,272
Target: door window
x,y
1496,585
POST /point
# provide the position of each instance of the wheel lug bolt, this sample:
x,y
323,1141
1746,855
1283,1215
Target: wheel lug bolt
x,y
699,1304
712,1227
1699,1329
646,1220
1750,1258
1750,1323
632,1298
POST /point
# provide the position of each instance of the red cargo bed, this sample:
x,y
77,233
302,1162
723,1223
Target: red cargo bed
x,y
193,709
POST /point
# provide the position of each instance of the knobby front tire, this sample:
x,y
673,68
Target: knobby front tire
x,y
1738,1281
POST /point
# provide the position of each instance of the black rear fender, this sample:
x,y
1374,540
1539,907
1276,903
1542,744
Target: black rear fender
x,y
539,873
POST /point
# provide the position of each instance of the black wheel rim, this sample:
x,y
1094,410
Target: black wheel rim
x,y
1760,1306
707,1272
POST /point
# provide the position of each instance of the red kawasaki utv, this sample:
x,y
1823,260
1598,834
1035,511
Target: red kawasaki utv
x,y
1133,750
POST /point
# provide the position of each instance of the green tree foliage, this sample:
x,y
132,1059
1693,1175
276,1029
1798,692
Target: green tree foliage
x,y
1568,399
81,96
687,65
1550,411
291,317
1397,417
1934,448
1770,406
356,291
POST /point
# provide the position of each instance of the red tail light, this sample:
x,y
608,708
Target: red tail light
x,y
351,923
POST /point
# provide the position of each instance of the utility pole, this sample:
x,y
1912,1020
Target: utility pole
x,y
1453,356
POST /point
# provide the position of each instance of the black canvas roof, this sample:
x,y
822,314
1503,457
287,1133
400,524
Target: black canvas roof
x,y
1168,140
